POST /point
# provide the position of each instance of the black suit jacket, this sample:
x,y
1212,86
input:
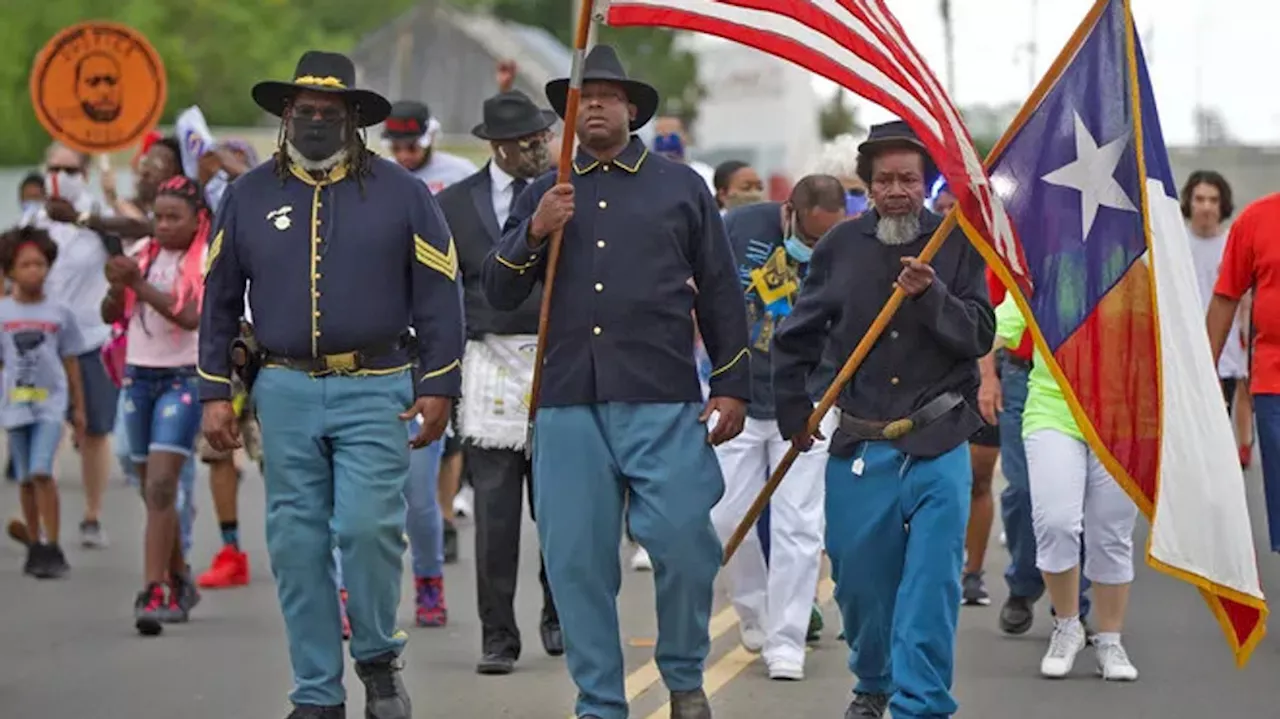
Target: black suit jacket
x,y
468,207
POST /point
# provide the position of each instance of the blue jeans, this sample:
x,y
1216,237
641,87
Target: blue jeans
x,y
32,447
587,461
1023,578
186,480
162,411
899,588
336,462
1266,408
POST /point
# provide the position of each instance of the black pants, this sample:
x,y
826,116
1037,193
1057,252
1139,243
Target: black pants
x,y
500,478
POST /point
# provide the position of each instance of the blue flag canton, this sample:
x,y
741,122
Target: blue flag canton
x,y
1071,185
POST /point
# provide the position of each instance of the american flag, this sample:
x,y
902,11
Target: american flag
x,y
859,45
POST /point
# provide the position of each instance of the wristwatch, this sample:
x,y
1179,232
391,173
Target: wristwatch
x,y
83,219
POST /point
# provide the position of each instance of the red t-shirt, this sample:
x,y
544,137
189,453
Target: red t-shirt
x,y
996,289
1252,261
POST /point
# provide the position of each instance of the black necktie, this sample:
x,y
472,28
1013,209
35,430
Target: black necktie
x,y
517,186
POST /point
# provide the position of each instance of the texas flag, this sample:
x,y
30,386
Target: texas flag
x,y
1085,177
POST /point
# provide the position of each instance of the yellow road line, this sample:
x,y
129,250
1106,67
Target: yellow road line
x,y
725,669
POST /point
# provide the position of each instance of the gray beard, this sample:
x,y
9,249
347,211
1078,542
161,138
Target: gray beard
x,y
899,230
324,165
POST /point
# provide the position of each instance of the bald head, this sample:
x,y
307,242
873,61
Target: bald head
x,y
816,205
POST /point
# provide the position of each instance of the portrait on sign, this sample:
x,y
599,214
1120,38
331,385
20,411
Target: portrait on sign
x,y
98,87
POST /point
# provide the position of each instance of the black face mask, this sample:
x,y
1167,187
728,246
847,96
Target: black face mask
x,y
316,139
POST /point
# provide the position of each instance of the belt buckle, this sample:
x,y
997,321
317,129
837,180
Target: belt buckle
x,y
898,428
340,363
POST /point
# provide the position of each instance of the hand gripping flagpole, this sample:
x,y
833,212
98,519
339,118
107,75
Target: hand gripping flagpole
x,y
574,96
829,397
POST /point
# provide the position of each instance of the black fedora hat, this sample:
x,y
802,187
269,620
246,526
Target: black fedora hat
x,y
328,72
602,63
511,115
894,135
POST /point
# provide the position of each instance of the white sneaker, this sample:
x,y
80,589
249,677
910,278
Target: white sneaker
x,y
640,561
1065,643
752,638
783,670
1114,664
464,502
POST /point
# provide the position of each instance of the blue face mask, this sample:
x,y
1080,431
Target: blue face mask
x,y
798,250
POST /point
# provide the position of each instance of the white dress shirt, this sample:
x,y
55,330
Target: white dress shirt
x,y
500,186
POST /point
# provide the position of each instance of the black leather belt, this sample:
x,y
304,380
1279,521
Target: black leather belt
x,y
1015,360
343,362
866,430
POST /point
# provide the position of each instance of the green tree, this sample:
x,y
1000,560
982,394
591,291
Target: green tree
x,y
837,118
650,54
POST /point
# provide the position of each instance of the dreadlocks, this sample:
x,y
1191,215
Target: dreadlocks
x,y
359,157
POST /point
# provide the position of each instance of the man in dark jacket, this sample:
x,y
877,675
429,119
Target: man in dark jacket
x,y
497,371
897,494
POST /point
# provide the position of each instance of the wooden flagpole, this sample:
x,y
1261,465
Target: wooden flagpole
x,y
895,300
581,35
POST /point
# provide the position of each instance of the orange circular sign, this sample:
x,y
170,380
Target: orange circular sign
x,y
98,87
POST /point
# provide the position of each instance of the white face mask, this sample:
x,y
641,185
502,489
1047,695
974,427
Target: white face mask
x,y
71,187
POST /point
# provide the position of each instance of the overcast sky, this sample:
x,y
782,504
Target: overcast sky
x,y
1218,53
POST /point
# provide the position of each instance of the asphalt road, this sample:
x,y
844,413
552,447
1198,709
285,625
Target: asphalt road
x,y
68,649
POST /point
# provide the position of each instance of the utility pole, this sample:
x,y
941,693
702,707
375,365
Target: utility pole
x,y
949,43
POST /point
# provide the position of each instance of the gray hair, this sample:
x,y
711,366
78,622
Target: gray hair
x,y
54,147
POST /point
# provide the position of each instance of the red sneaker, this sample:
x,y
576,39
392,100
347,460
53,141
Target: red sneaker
x,y
230,568
431,611
346,621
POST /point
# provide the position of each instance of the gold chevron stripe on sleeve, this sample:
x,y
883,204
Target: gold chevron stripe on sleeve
x,y
215,248
444,263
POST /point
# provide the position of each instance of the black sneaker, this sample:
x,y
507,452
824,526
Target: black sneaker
x,y
36,560
149,610
310,711
54,564
867,706
450,543
1017,615
973,591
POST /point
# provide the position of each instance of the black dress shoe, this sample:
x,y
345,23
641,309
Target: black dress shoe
x,y
385,695
496,664
552,637
308,711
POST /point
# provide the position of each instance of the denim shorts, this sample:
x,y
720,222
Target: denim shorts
x,y
32,447
100,395
161,411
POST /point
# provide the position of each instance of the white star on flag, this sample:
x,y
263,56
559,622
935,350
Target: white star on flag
x,y
1093,175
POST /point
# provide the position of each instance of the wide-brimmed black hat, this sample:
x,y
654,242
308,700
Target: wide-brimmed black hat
x,y
602,63
511,115
328,72
892,135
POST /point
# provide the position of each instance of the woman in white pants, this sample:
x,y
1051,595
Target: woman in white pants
x,y
1073,498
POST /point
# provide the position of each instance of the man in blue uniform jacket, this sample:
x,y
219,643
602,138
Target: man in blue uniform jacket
x,y
621,410
897,495
343,253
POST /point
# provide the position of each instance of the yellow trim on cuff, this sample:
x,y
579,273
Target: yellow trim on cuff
x,y
212,378
442,371
743,353
446,263
509,264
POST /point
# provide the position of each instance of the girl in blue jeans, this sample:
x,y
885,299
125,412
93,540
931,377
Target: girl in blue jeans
x,y
158,294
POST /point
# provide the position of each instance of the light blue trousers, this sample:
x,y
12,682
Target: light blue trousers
x,y
335,451
424,522
895,536
586,461
186,480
